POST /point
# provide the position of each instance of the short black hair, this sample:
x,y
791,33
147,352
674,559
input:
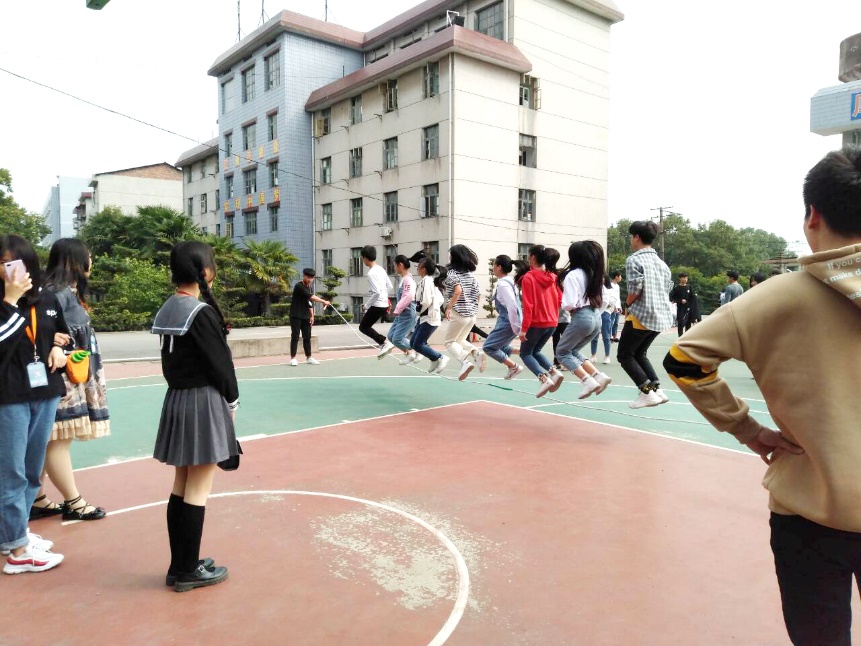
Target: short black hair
x,y
402,260
615,274
732,273
369,252
833,187
757,278
504,263
646,229
309,272
683,275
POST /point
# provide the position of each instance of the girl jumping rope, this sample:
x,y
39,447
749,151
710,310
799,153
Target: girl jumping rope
x,y
507,328
405,314
429,301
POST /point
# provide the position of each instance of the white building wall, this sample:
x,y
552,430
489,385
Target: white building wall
x,y
128,193
204,181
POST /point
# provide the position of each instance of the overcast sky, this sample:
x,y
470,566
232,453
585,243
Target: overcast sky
x,y
709,112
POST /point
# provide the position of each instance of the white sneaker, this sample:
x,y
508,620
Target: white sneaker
x,y
589,386
36,541
433,366
387,347
294,363
513,372
410,357
465,369
312,361
481,360
594,358
443,362
662,395
608,360
546,385
32,560
646,400
556,377
603,381
415,357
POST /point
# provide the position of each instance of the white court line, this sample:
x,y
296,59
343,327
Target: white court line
x,y
462,597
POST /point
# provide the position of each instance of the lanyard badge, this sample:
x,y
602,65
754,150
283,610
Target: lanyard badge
x,y
36,373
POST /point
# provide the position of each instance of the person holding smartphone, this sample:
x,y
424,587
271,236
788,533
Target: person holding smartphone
x,y
30,389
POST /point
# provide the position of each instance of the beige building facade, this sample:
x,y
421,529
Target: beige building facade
x,y
200,191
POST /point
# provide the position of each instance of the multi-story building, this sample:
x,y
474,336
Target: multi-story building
x,y
836,110
59,211
129,188
483,123
201,194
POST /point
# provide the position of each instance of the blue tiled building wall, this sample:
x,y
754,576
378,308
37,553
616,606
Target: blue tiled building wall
x,y
306,64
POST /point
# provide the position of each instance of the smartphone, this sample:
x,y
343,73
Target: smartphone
x,y
13,267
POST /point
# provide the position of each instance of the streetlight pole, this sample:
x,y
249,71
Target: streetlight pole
x,y
660,210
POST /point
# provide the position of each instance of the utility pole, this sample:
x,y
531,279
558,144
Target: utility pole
x,y
238,21
326,11
660,210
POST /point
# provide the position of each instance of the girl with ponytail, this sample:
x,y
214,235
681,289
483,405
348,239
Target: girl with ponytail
x,y
196,431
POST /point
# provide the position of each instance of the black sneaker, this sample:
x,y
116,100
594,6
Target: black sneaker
x,y
200,578
171,577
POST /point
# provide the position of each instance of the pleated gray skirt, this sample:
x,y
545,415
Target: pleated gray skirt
x,y
195,428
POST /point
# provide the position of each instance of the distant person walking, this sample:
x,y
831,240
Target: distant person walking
x,y
682,295
302,316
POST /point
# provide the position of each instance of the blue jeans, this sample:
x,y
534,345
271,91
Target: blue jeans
x,y
530,350
497,345
584,326
24,432
401,328
615,331
606,324
419,342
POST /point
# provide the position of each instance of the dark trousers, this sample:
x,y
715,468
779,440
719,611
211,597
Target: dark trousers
x,y
297,326
815,566
683,319
557,334
633,347
372,316
419,341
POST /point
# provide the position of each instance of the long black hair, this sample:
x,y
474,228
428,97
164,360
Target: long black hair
x,y
588,256
18,248
521,268
189,261
439,279
551,258
68,264
463,259
428,264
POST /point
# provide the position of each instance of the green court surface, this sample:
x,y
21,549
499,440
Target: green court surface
x,y
282,399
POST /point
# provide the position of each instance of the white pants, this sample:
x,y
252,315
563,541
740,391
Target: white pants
x,y
455,336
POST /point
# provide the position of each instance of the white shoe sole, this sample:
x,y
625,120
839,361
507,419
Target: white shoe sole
x,y
465,372
24,569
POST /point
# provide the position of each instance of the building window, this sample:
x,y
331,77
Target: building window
x,y
251,223
390,153
326,170
203,204
326,118
273,218
356,261
203,170
217,199
248,85
526,205
523,251
356,110
430,142
228,144
431,250
218,229
356,162
228,181
250,179
204,230
391,95
272,71
227,98
327,217
389,252
430,201
356,305
528,151
356,212
390,202
188,176
327,260
189,206
430,80
491,21
272,127
228,226
530,92
273,173
249,136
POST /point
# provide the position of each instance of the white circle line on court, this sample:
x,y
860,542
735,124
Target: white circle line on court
x,y
462,596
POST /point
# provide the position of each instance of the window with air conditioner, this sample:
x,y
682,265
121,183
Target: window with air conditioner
x,y
430,201
430,80
356,162
390,206
356,212
528,151
272,71
356,109
326,224
326,170
430,142
491,21
390,153
526,205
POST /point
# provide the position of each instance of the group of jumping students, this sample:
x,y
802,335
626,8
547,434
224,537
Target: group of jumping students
x,y
529,297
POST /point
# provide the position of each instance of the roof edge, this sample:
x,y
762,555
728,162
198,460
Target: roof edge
x,y
201,151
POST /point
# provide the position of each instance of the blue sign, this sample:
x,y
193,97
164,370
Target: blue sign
x,y
856,106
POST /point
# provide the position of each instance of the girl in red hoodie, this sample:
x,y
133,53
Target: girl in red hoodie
x,y
541,300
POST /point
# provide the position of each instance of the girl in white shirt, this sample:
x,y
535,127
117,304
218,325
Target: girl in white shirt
x,y
507,328
429,301
610,305
582,293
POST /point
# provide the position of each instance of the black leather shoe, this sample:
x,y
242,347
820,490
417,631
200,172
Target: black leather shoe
x,y
200,578
172,576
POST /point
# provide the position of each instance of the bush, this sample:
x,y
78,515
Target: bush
x,y
257,321
109,317
332,319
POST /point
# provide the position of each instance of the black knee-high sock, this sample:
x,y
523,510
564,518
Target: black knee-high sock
x,y
174,530
192,523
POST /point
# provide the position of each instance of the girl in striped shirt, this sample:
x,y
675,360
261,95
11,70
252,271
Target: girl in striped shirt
x,y
462,295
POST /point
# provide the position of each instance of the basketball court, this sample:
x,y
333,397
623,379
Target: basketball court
x,y
377,504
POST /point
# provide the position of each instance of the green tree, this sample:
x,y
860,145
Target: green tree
x,y
270,268
16,219
491,285
135,291
108,233
332,280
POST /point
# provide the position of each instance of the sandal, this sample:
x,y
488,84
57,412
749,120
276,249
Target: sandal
x,y
80,513
50,509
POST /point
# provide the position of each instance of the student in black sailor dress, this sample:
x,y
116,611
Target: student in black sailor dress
x,y
196,428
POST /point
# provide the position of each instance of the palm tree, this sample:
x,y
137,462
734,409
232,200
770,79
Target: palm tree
x,y
270,267
230,287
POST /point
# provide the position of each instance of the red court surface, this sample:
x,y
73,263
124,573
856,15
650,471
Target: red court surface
x,y
571,532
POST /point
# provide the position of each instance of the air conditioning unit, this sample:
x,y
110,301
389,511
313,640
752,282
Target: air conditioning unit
x,y
386,232
319,127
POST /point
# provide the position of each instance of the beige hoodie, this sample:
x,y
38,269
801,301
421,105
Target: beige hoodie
x,y
800,334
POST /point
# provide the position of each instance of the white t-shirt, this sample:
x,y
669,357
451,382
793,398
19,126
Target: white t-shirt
x,y
379,287
574,291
